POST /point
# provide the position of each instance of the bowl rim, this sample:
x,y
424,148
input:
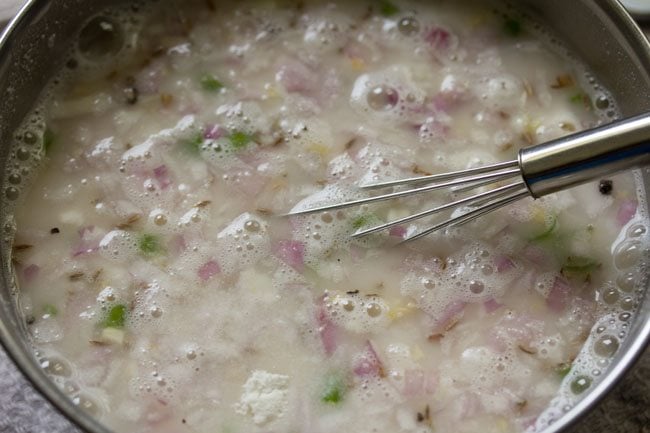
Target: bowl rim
x,y
26,363
14,346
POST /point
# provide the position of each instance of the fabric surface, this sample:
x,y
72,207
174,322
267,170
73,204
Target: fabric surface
x,y
23,410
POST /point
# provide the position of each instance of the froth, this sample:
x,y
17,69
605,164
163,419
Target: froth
x,y
327,231
476,274
604,105
358,314
389,95
119,245
32,139
242,242
617,303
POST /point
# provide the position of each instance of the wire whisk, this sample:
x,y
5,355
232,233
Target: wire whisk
x,y
539,170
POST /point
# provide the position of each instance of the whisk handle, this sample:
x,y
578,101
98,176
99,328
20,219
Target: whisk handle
x,y
586,156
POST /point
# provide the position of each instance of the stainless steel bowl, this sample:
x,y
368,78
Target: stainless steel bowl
x,y
38,40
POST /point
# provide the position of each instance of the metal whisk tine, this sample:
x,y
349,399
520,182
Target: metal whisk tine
x,y
473,185
446,176
543,169
482,176
471,215
486,196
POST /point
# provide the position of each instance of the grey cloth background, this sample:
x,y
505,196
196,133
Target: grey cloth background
x,y
23,410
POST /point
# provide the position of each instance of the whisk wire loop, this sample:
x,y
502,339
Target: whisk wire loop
x,y
543,169
446,176
480,198
471,215
481,177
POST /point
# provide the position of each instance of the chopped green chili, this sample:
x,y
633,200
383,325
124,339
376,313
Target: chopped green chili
x,y
387,8
365,220
116,317
193,144
48,140
577,98
334,389
50,310
239,139
563,369
581,98
149,244
546,234
210,83
579,267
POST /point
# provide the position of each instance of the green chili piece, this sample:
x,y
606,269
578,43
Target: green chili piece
x,y
210,83
577,98
116,317
365,220
48,140
149,244
579,267
563,369
50,310
193,144
239,139
546,234
387,8
581,98
334,389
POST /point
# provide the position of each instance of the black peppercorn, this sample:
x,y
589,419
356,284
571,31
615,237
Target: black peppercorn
x,y
131,95
55,230
605,186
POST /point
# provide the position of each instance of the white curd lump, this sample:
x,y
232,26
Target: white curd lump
x,y
165,291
